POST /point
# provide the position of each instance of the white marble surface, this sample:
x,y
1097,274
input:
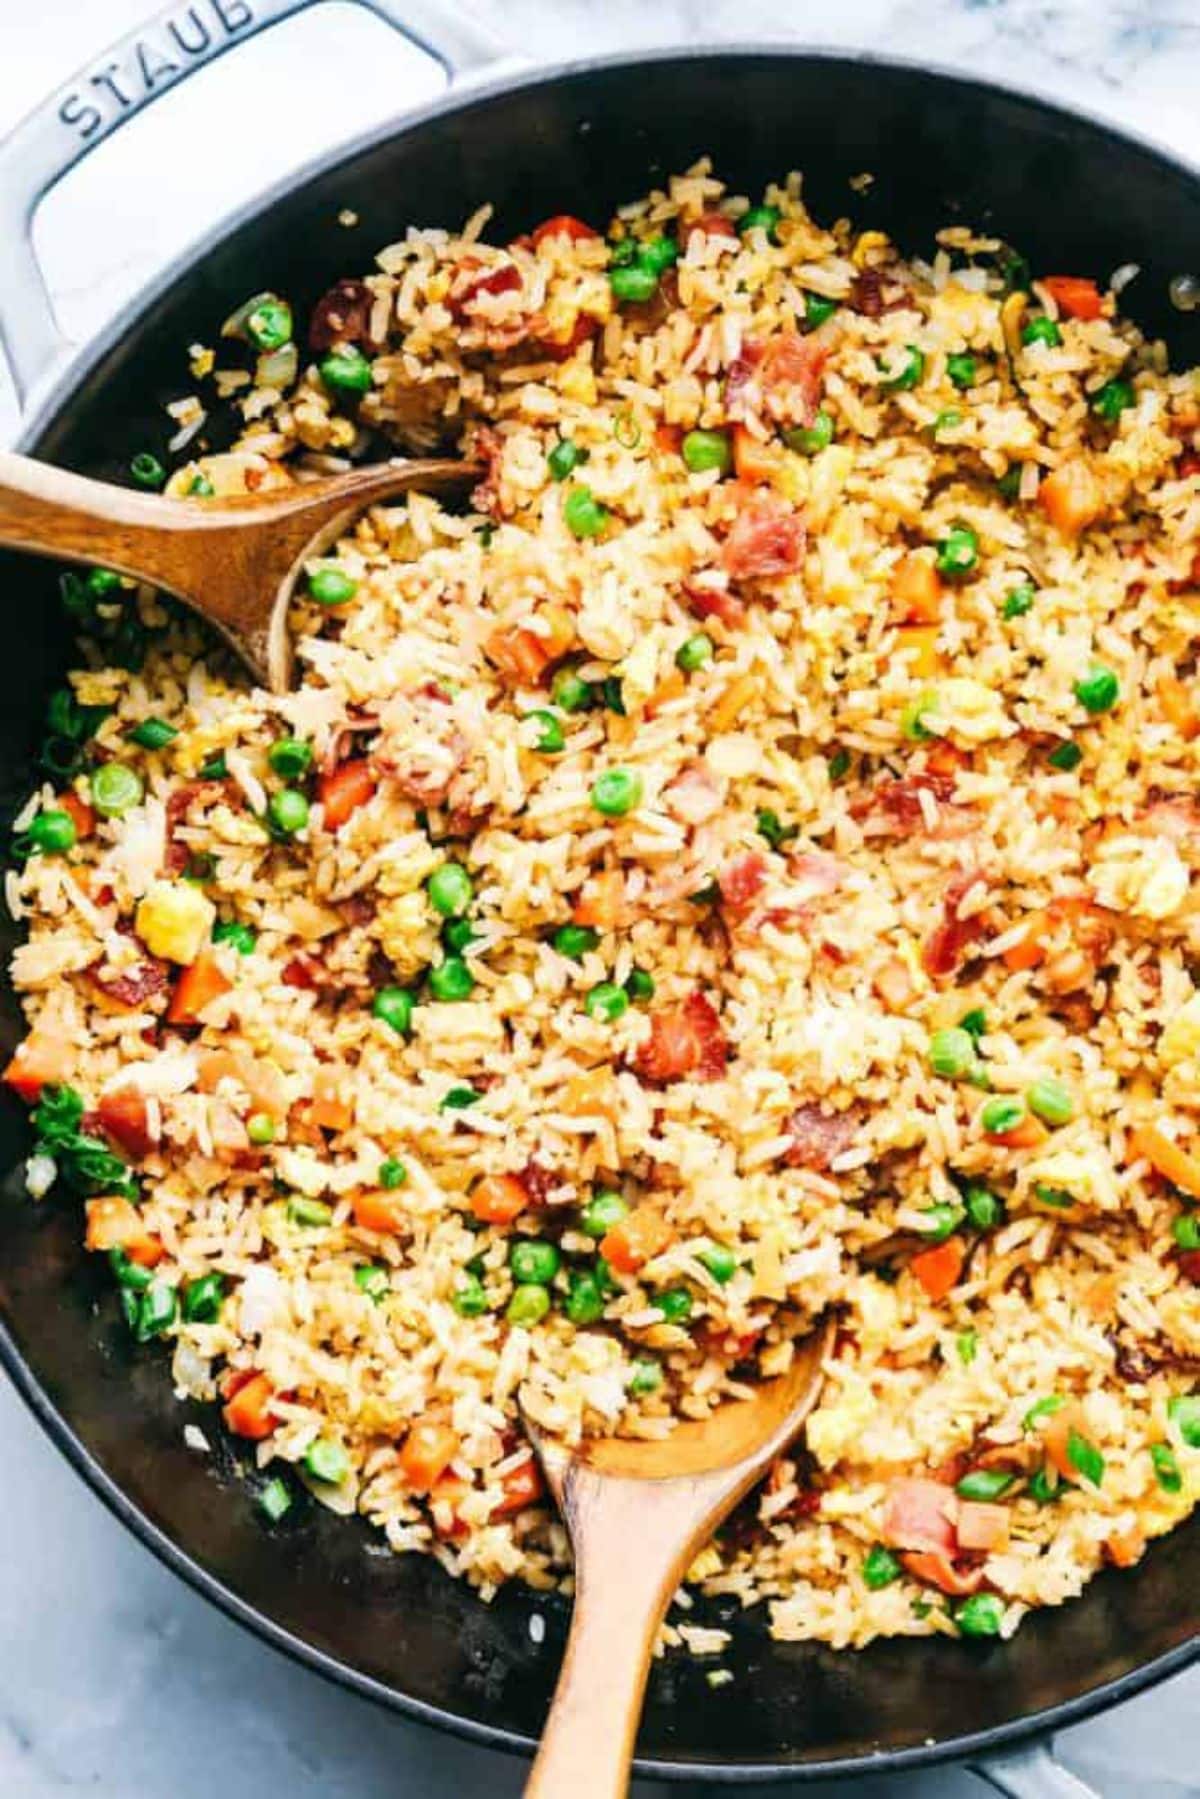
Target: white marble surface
x,y
114,1679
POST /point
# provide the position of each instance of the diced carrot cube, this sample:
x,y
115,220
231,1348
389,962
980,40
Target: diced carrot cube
x,y
40,1061
522,1485
113,1222
1075,296
939,1267
1166,1157
428,1451
79,812
636,1240
375,1209
917,591
499,1198
344,790
248,1410
1071,497
200,983
918,645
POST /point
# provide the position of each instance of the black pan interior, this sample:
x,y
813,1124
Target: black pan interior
x,y
1073,198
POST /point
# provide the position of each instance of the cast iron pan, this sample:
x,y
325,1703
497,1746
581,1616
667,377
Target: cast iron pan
x,y
1074,197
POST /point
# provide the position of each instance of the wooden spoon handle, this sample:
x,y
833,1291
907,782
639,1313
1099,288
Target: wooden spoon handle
x,y
587,1745
55,513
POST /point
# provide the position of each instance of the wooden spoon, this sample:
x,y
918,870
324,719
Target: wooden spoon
x,y
638,1513
234,561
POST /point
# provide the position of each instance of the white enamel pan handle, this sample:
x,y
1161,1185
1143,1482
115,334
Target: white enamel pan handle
x,y
119,82
1032,1772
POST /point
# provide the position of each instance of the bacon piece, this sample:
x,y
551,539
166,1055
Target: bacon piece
x,y
343,316
742,877
130,988
741,374
708,224
486,446
790,377
303,972
179,806
894,806
562,224
982,1526
920,1514
684,1040
767,539
694,795
123,1117
944,948
935,1569
818,1138
471,280
715,602
1189,1266
538,1181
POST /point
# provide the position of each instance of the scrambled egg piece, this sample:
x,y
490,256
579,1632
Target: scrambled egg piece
x,y
174,920
1088,1178
1180,1040
972,710
406,935
1142,875
837,1424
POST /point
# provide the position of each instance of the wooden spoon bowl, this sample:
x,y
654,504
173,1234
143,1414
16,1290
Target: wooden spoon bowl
x,y
638,1512
233,561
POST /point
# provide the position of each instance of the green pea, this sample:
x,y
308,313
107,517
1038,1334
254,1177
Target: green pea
x,y
1066,756
469,1298
563,457
817,309
534,1262
583,512
983,1208
260,1128
1041,330
1114,398
571,692
984,1483
646,1378
528,1306
1186,1232
116,788
290,757
616,792
275,1500
721,1262
880,1568
947,420
962,371
1097,689
458,934
575,940
147,470
327,1461
601,1212
451,980
201,486
640,984
704,450
392,1173
395,1006
1001,1115
980,1615
53,832
102,583
941,1221
345,370
675,1305
153,734
761,218
957,553
310,1214
657,253
1049,1100
900,376
550,739
1019,600
952,1053
966,1346
270,324
606,1002
1184,1413
585,1301
372,1279
287,811
634,283
202,1299
450,889
332,586
810,440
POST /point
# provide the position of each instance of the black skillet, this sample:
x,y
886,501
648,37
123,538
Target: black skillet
x,y
1073,196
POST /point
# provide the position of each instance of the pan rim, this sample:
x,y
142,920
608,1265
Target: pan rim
x,y
46,406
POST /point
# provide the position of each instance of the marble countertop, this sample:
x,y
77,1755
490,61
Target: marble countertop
x,y
114,1678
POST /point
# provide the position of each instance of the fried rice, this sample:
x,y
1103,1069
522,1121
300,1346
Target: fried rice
x,y
744,865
